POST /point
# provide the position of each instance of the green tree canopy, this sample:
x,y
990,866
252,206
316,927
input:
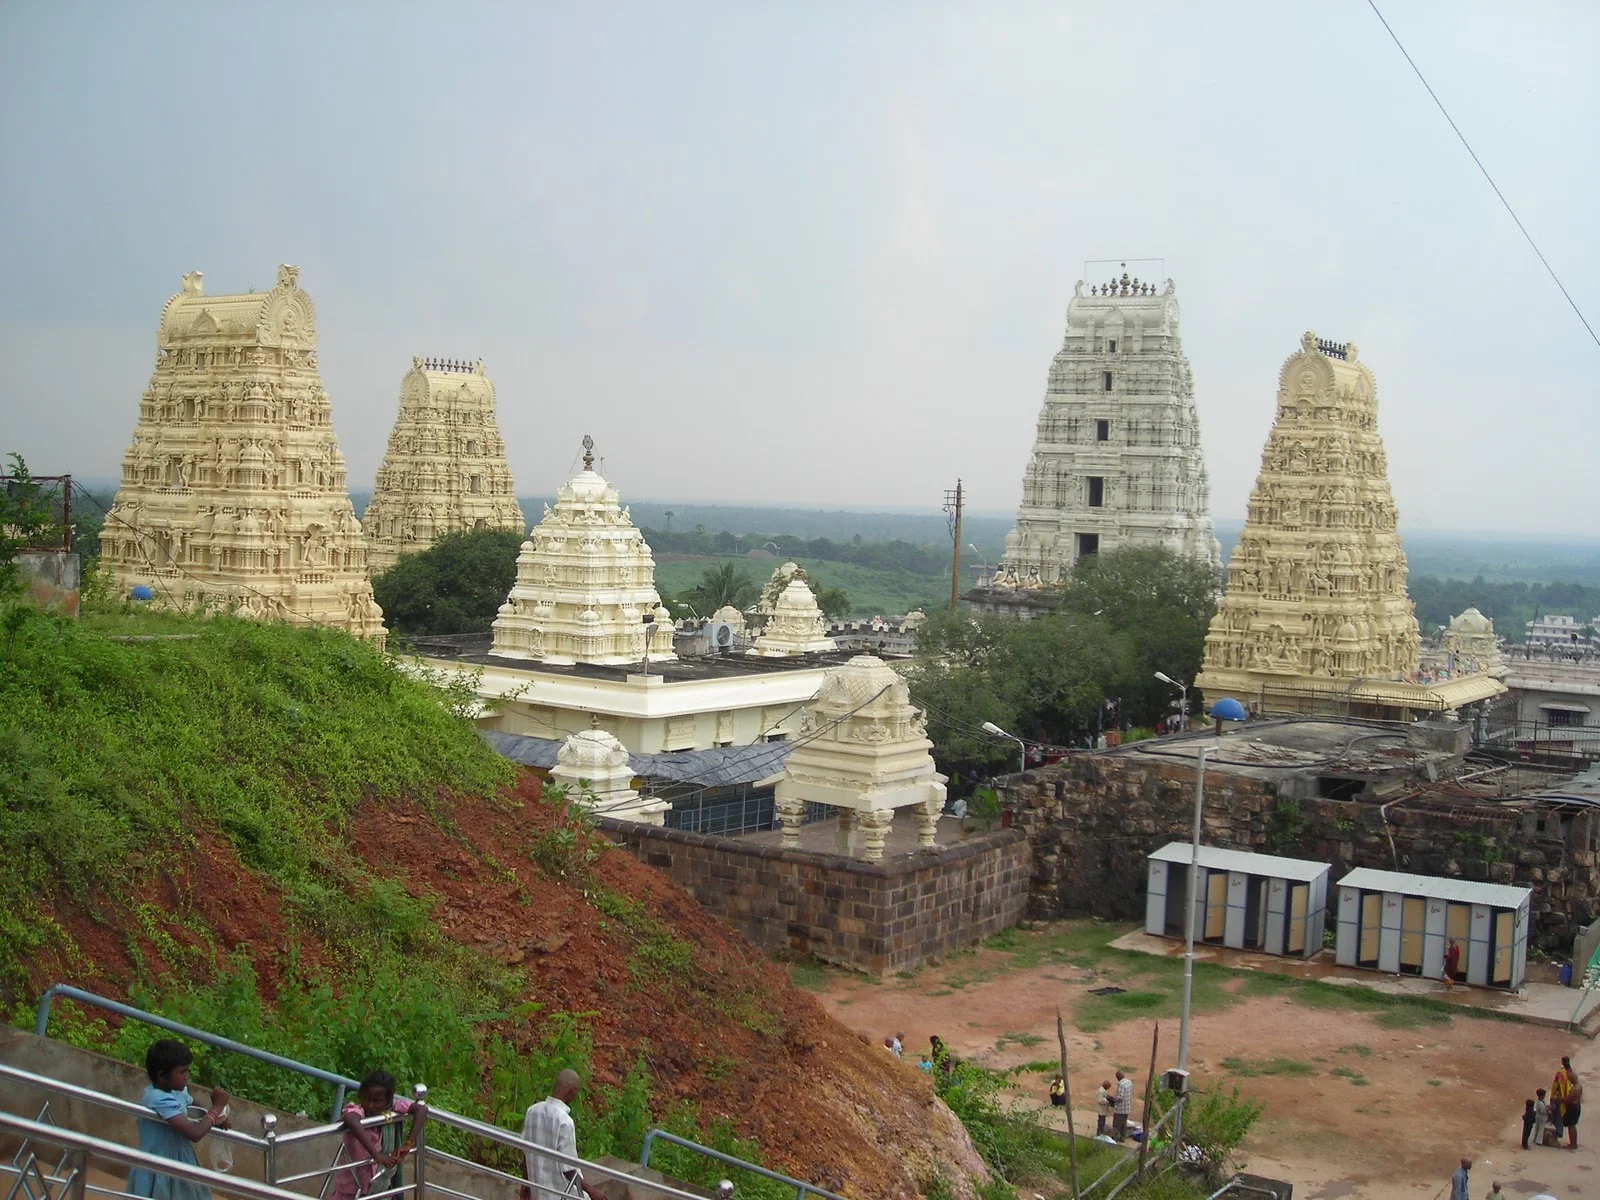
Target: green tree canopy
x,y
719,586
1042,680
456,585
1162,602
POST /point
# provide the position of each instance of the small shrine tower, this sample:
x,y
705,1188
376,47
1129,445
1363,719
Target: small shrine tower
x,y
863,750
445,468
585,583
233,491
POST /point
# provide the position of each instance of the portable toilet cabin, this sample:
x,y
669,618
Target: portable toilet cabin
x,y
1399,923
1247,901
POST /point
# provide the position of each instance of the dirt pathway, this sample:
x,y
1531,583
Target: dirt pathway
x,y
1360,1102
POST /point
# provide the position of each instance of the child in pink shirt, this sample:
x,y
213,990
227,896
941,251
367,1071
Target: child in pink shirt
x,y
377,1150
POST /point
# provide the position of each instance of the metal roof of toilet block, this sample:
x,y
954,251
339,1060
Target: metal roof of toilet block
x,y
1214,858
1435,887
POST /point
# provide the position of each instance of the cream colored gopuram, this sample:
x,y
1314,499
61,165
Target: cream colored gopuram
x,y
233,491
795,626
1316,609
585,583
1116,458
864,751
445,469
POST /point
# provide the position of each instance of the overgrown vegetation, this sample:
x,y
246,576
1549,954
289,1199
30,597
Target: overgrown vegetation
x,y
457,585
28,519
1124,615
111,753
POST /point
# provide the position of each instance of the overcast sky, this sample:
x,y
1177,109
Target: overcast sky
x,y
819,254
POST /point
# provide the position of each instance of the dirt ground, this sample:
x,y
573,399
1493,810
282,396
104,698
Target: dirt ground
x,y
1378,1103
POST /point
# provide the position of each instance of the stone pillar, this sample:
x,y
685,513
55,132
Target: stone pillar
x,y
845,839
791,813
928,821
874,825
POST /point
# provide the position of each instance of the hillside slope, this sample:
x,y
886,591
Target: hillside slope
x,y
278,835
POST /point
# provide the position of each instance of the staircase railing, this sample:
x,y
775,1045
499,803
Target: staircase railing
x,y
801,1189
271,1144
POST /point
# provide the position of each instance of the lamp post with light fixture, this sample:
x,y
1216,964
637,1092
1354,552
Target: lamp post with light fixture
x,y
1022,746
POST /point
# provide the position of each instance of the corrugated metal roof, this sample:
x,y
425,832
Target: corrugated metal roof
x,y
1215,858
1436,887
711,768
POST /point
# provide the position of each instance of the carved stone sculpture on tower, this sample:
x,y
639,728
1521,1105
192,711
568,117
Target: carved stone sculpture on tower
x,y
233,491
585,580
593,767
1116,458
865,752
796,625
445,469
1317,583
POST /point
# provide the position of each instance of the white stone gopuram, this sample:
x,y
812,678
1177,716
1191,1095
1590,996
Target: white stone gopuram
x,y
1316,600
585,581
593,767
445,468
1472,646
863,751
233,491
1116,458
796,625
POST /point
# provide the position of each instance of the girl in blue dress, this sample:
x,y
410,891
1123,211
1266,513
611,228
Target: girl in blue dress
x,y
174,1134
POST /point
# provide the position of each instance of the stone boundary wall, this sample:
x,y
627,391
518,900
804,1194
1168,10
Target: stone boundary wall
x,y
876,917
1094,819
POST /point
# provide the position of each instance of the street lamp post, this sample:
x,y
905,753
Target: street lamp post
x,y
1022,746
981,559
1183,698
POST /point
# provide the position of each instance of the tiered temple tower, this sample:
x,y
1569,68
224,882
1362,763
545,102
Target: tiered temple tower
x,y
585,583
1116,459
445,469
233,492
1316,612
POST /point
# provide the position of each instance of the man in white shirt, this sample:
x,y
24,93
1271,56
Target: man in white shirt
x,y
1121,1106
549,1124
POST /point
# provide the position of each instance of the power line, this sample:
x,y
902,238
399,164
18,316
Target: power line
x,y
1595,338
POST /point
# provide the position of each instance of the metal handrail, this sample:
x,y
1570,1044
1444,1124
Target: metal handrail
x,y
801,1188
71,1139
41,1025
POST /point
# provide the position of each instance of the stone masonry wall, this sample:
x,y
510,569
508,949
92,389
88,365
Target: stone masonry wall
x,y
1094,819
876,917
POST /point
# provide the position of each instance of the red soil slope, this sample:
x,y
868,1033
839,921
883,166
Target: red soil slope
x,y
826,1105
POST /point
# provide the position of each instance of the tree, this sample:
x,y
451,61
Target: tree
x,y
456,585
1163,603
720,586
833,601
1043,680
27,521
669,514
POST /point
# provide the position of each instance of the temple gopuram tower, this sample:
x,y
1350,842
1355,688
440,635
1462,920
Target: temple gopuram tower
x,y
1116,458
445,469
585,583
233,491
1316,615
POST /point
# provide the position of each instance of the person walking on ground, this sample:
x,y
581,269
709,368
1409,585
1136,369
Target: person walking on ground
x,y
549,1124
1560,1088
1541,1117
1058,1091
1122,1107
1102,1108
1459,1182
1572,1108
1529,1119
1495,1193
1452,963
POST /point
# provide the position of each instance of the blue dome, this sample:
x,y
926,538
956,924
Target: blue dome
x,y
141,592
1229,709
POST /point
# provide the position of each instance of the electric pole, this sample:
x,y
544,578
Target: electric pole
x,y
952,505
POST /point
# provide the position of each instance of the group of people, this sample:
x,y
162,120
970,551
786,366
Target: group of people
x,y
1546,1115
1113,1105
936,1058
374,1150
